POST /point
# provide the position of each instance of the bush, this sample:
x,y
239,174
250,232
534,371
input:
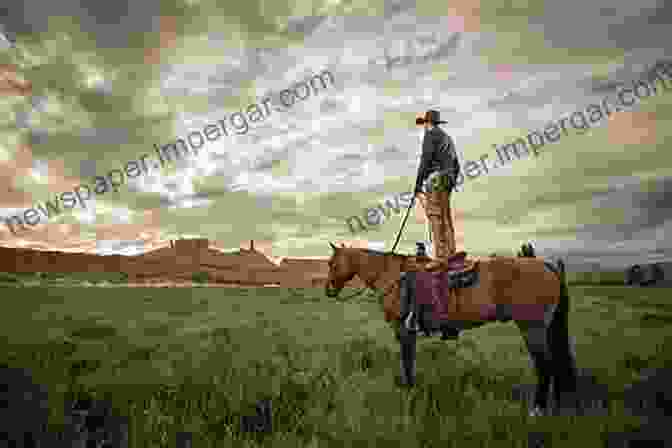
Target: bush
x,y
200,277
7,277
526,250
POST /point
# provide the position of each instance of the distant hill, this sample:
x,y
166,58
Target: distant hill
x,y
178,263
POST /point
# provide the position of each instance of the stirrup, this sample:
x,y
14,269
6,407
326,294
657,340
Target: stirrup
x,y
411,324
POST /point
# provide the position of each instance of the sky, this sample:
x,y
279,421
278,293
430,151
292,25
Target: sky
x,y
86,89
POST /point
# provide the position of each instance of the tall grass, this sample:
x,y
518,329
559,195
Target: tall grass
x,y
197,360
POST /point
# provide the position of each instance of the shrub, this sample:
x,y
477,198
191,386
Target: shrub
x,y
200,277
526,250
7,277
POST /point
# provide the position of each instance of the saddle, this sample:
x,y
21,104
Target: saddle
x,y
435,290
455,264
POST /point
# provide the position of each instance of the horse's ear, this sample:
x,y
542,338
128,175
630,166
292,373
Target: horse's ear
x,y
332,245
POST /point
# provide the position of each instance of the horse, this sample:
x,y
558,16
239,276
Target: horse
x,y
530,291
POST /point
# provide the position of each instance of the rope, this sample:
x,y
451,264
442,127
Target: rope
x,y
403,224
401,229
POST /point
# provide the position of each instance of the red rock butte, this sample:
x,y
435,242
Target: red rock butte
x,y
177,263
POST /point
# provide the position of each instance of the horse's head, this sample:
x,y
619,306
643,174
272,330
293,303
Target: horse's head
x,y
341,271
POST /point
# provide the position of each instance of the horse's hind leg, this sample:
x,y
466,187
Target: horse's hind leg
x,y
534,334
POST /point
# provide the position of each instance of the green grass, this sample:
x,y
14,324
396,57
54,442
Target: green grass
x,y
596,278
57,278
196,359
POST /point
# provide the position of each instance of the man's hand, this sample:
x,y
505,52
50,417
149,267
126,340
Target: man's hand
x,y
421,197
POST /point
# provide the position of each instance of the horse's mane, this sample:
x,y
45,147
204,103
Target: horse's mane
x,y
381,253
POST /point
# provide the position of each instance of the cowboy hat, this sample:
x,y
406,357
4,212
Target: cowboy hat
x,y
431,116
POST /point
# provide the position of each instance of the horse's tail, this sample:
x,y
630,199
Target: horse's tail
x,y
562,350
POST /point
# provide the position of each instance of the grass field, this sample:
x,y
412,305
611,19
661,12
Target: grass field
x,y
197,359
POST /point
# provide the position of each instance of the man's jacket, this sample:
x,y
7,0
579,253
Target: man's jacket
x,y
438,154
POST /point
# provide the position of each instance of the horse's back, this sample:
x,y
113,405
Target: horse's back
x,y
513,280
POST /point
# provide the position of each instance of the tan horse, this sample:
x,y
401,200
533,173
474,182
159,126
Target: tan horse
x,y
530,291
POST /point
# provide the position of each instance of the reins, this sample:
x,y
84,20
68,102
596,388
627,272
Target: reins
x,y
385,290
396,241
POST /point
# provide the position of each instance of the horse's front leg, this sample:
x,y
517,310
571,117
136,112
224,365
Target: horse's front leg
x,y
408,351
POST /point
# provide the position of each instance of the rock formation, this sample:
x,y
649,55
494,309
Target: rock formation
x,y
177,263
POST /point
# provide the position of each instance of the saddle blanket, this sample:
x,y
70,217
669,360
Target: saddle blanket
x,y
432,289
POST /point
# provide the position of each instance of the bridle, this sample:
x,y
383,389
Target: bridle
x,y
387,288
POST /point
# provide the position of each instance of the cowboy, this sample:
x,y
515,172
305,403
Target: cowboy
x,y
436,179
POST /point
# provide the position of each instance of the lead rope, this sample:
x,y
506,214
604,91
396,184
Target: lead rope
x,y
401,229
403,224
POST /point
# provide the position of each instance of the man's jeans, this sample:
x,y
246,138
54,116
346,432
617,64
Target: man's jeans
x,y
437,208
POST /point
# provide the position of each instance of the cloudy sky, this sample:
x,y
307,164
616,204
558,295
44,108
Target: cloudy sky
x,y
85,89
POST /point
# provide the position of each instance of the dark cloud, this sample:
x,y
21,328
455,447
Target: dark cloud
x,y
390,154
647,21
328,105
608,12
262,201
622,27
519,101
15,19
655,202
180,200
646,209
38,137
219,157
305,24
447,49
364,24
645,206
110,136
87,168
7,38
270,159
264,165
172,186
604,87
652,73
21,118
393,8
107,13
661,15
620,258
110,22
353,157
623,76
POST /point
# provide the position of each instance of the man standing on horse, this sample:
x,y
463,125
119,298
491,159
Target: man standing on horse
x,y
436,179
